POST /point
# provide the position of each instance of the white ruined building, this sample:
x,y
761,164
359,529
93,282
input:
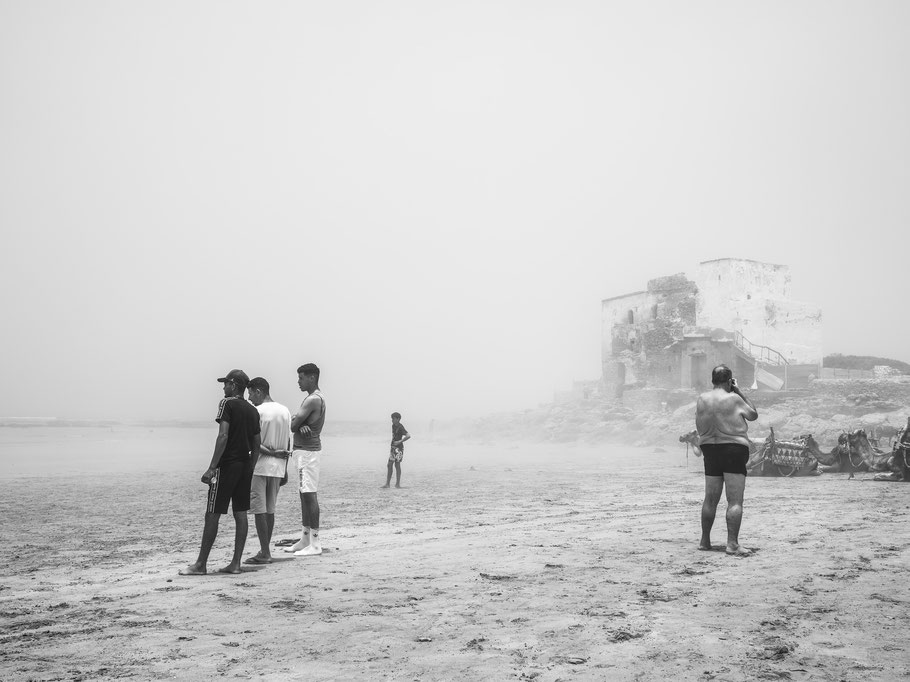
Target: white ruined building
x,y
734,311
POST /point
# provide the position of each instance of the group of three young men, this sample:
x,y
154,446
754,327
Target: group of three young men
x,y
250,462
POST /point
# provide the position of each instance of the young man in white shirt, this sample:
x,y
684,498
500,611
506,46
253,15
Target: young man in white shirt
x,y
271,468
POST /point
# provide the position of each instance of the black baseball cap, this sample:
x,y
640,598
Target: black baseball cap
x,y
238,377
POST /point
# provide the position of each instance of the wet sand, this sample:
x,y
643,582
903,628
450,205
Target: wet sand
x,y
493,562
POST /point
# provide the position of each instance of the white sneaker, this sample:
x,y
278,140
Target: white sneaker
x,y
309,550
302,543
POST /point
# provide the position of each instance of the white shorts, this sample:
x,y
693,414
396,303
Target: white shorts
x,y
308,469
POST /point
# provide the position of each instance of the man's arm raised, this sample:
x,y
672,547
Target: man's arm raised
x,y
749,414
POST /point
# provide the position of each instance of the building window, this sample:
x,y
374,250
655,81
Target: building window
x,y
631,317
654,312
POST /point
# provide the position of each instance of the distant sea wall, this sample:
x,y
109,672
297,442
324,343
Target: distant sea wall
x,y
894,390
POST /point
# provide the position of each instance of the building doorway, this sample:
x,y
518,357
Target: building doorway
x,y
698,367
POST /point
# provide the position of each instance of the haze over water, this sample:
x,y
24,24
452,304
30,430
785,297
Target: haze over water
x,y
429,201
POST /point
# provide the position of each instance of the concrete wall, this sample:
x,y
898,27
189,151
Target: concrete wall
x,y
896,390
830,373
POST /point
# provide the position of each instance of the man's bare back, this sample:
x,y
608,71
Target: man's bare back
x,y
721,416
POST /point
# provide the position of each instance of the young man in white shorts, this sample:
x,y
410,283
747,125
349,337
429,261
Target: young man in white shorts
x,y
271,467
306,427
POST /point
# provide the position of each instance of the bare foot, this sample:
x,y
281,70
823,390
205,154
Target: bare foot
x,y
739,550
397,486
384,486
192,569
705,547
230,568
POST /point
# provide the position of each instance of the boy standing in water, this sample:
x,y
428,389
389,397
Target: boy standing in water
x,y
396,452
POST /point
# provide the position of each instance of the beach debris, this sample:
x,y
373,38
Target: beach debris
x,y
653,596
290,604
476,644
603,612
885,598
624,635
424,639
576,660
491,576
554,565
776,653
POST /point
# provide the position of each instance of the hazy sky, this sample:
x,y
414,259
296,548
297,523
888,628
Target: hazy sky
x,y
427,199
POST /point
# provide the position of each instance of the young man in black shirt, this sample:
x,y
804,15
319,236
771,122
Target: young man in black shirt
x,y
231,471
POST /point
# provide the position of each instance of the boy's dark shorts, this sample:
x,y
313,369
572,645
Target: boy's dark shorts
x,y
231,485
725,458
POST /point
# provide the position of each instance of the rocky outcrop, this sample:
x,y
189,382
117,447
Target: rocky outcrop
x,y
880,408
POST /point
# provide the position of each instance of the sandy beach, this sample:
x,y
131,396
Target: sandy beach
x,y
494,562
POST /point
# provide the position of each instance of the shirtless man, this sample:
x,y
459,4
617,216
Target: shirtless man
x,y
306,426
720,418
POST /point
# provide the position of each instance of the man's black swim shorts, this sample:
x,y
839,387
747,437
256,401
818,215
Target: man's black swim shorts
x,y
725,458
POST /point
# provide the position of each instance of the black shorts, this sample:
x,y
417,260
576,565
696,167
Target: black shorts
x,y
231,484
725,458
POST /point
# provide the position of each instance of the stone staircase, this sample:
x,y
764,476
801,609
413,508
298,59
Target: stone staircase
x,y
770,365
757,353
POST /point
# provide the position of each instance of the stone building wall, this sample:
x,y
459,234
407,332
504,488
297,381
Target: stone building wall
x,y
754,299
638,328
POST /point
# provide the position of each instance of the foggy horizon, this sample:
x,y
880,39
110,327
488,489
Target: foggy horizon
x,y
428,201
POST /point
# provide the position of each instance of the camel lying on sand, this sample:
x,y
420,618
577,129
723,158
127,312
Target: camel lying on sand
x,y
900,458
784,457
852,454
